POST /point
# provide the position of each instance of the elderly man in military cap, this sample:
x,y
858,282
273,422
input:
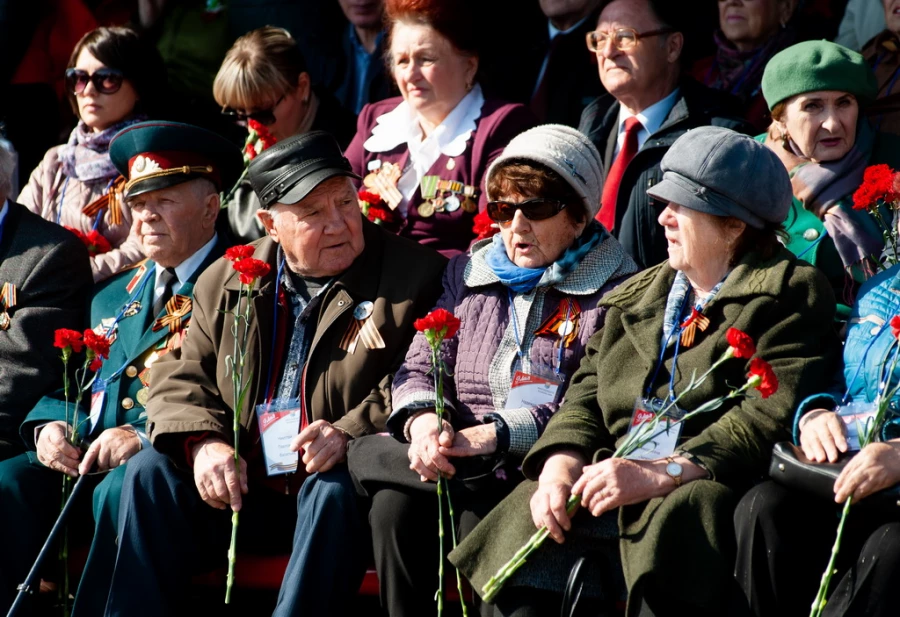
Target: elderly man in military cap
x,y
175,172
330,321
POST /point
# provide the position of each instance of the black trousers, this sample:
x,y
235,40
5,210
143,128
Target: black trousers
x,y
784,543
167,534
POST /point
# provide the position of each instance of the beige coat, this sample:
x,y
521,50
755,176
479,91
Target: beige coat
x,y
42,196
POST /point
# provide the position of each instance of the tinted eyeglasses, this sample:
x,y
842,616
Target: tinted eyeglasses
x,y
105,80
533,209
623,39
266,117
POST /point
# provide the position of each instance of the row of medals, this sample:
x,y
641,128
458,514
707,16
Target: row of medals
x,y
439,195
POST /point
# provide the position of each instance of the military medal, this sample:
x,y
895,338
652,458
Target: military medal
x,y
426,209
689,328
451,204
468,203
438,203
132,309
177,308
142,396
7,301
362,328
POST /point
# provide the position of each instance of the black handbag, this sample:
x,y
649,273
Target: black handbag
x,y
791,468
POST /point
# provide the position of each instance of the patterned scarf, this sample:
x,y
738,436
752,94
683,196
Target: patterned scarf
x,y
740,72
820,186
524,280
675,304
86,155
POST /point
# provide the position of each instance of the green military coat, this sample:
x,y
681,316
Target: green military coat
x,y
787,307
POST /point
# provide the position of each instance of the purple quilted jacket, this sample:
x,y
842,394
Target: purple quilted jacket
x,y
482,357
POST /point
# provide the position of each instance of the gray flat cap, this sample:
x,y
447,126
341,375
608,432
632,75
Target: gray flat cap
x,y
720,172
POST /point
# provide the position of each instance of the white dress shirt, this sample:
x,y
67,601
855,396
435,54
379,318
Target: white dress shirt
x,y
651,119
184,270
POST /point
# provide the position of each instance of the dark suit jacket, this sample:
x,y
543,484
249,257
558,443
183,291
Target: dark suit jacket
x,y
51,271
447,232
636,212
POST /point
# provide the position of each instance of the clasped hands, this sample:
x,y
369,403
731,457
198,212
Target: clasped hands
x,y
222,485
113,447
876,467
430,449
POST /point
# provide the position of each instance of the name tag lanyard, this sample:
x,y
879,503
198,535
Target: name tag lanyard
x,y
515,322
277,344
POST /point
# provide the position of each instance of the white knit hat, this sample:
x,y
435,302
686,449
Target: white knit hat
x,y
565,151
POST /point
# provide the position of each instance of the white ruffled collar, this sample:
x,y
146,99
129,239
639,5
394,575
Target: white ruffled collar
x,y
400,126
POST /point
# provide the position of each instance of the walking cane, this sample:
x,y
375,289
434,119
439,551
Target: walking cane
x,y
26,588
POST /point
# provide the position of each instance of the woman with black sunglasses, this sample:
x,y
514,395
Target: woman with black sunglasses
x,y
528,302
114,80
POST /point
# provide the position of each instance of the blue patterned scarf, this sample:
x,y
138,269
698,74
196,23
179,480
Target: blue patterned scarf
x,y
675,304
524,280
86,155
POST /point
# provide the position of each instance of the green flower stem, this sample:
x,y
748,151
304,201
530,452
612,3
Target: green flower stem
x,y
496,582
822,595
237,383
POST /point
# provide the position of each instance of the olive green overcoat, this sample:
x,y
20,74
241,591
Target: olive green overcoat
x,y
680,546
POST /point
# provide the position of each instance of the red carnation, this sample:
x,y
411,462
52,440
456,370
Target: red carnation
x,y
878,185
250,152
483,226
371,198
742,346
262,133
378,214
895,326
442,323
78,233
251,269
762,377
64,338
96,244
239,252
96,344
96,365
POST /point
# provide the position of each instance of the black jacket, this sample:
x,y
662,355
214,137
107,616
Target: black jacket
x,y
636,212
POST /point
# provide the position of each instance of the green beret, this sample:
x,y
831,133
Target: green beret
x,y
817,65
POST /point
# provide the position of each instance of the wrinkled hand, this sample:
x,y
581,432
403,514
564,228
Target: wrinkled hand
x,y
219,483
876,467
617,482
548,504
822,436
424,453
113,447
323,446
54,450
473,441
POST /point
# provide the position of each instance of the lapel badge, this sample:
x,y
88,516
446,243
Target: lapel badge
x,y
138,275
7,301
108,328
4,321
362,328
131,309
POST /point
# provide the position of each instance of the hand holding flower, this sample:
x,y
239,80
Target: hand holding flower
x,y
424,455
218,479
822,436
549,502
876,467
55,451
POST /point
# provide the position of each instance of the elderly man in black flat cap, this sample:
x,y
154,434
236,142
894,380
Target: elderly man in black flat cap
x,y
175,172
330,322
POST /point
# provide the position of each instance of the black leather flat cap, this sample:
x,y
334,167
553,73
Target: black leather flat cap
x,y
288,171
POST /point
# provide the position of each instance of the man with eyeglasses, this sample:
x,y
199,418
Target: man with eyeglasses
x,y
638,45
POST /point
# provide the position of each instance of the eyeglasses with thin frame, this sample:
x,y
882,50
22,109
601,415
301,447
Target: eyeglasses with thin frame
x,y
533,209
266,117
105,80
623,39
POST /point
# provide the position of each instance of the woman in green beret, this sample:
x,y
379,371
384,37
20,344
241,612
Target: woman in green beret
x,y
817,93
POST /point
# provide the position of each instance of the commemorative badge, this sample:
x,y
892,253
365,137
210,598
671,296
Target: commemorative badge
x,y
177,308
362,328
7,301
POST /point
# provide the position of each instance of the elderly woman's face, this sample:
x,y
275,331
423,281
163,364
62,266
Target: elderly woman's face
x,y
822,124
700,244
100,111
892,15
750,23
432,75
537,244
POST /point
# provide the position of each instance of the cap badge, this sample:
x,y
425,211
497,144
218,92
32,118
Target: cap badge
x,y
143,166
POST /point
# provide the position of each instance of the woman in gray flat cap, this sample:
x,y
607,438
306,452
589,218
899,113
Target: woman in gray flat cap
x,y
671,509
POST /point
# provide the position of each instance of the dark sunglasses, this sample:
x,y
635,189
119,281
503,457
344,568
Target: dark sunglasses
x,y
533,209
266,117
106,81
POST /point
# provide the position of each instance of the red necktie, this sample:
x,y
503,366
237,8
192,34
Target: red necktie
x,y
607,214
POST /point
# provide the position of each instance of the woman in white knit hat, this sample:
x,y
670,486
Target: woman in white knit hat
x,y
527,299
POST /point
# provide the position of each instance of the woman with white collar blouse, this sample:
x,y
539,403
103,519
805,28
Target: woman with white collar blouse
x,y
423,155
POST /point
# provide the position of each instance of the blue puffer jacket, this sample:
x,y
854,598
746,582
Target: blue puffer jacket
x,y
869,338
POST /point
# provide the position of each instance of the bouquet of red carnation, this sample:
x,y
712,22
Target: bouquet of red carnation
x,y
374,207
94,241
881,189
250,270
258,139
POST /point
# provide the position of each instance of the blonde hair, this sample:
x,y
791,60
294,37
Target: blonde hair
x,y
261,66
